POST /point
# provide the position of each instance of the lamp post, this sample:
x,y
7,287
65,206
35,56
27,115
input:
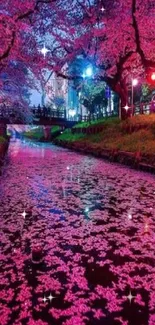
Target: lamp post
x,y
88,73
134,83
80,105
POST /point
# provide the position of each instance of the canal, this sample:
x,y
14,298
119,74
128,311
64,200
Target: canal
x,y
92,225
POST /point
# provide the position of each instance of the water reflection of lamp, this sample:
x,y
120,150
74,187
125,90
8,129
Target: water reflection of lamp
x,y
37,254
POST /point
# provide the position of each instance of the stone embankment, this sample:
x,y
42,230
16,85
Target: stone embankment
x,y
136,160
4,143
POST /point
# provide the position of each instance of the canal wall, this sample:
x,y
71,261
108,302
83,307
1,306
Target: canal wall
x,y
137,160
4,142
3,130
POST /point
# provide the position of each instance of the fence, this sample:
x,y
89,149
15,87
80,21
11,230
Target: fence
x,y
44,112
47,113
142,108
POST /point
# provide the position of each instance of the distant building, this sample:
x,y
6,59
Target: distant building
x,y
57,87
70,90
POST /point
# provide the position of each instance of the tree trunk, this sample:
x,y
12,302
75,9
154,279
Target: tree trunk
x,y
121,90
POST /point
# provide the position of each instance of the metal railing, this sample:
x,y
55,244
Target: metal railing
x,y
93,117
142,108
39,113
47,113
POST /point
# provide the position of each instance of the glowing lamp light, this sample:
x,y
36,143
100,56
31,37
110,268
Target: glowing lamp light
x,y
134,82
89,72
153,76
37,254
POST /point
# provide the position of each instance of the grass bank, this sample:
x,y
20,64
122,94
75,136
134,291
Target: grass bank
x,y
38,134
134,134
2,140
131,141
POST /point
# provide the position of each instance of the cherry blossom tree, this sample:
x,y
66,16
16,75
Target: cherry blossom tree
x,y
118,37
15,90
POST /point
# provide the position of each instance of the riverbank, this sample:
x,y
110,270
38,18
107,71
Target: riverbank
x,y
130,142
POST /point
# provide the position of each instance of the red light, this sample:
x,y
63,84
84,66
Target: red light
x,y
150,76
153,76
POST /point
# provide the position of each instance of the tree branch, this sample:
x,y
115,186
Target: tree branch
x,y
6,53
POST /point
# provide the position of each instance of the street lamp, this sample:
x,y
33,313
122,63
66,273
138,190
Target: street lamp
x,y
80,105
89,72
134,83
153,76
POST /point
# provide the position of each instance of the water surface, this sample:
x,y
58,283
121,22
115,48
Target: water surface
x,y
95,222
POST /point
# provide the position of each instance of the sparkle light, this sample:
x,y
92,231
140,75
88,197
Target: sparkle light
x,y
126,107
50,297
24,214
44,299
102,9
44,51
130,297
